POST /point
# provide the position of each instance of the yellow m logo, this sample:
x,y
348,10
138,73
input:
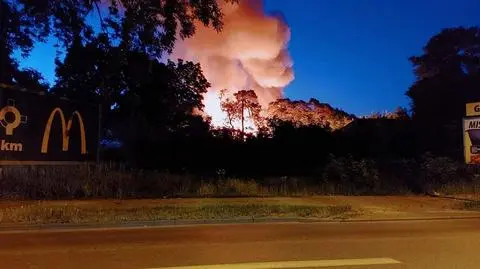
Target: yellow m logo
x,y
66,126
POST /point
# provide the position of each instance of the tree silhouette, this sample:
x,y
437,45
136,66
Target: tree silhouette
x,y
91,72
18,31
245,103
144,26
145,102
301,113
448,76
399,113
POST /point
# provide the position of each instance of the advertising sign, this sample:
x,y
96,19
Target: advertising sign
x,y
471,140
45,129
473,109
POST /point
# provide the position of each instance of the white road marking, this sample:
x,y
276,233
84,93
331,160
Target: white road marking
x,y
291,264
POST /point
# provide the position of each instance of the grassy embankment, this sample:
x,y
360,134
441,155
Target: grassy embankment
x,y
106,213
28,193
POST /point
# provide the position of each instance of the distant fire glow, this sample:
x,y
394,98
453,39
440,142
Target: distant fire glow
x,y
249,53
213,108
212,102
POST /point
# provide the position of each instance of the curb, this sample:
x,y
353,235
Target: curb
x,y
180,223
452,197
149,224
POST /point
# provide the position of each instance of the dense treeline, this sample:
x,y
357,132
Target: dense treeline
x,y
149,105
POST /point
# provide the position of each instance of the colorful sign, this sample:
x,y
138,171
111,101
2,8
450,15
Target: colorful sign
x,y
471,140
473,109
44,129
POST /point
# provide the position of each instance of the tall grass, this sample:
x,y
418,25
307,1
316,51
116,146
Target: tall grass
x,y
42,214
342,175
90,181
113,181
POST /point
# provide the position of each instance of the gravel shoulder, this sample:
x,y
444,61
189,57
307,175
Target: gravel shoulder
x,y
314,208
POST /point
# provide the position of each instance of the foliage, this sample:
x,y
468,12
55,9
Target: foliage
x,y
377,138
148,27
98,212
399,113
302,113
145,102
18,31
340,175
448,76
231,187
244,106
362,175
438,170
151,107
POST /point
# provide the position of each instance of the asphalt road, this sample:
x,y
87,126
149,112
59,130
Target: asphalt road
x,y
384,245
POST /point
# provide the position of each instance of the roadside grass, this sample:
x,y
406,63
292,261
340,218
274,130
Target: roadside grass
x,y
470,190
471,205
114,181
53,214
110,182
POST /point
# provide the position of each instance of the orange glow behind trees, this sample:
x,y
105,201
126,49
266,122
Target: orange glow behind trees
x,y
242,111
301,113
250,52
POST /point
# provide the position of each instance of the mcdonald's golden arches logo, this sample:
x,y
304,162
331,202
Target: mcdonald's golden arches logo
x,y
66,126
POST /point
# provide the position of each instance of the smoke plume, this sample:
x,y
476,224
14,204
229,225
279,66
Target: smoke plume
x,y
249,53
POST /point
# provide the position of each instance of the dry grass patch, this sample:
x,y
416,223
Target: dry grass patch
x,y
44,214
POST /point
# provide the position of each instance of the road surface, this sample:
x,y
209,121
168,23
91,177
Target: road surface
x,y
446,244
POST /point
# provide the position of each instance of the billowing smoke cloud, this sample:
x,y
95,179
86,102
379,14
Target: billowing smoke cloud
x,y
249,53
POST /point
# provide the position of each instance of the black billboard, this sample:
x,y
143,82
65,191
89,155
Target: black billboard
x,y
40,128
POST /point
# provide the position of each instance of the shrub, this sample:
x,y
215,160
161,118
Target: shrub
x,y
107,181
354,176
65,182
207,189
342,175
287,186
238,187
437,171
163,184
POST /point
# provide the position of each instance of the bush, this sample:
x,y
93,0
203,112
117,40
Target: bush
x,y
163,184
232,187
342,175
354,176
438,171
65,182
89,181
207,189
287,186
238,187
399,177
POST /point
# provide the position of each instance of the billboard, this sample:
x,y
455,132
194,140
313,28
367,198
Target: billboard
x,y
471,140
472,109
44,129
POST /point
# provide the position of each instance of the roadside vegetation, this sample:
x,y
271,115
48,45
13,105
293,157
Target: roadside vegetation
x,y
471,205
40,213
155,144
340,176
111,194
